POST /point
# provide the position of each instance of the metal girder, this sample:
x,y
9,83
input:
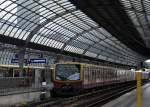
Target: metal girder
x,y
137,16
34,31
145,13
80,34
111,15
76,36
96,43
3,47
102,45
138,11
69,27
20,43
103,53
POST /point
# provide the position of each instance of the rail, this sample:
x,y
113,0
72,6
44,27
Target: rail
x,y
87,99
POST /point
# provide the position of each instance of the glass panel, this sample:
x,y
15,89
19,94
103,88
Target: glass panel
x,y
73,49
91,54
82,39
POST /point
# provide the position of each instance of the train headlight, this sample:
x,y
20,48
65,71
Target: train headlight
x,y
66,87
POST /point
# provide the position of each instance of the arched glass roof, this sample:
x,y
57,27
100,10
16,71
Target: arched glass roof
x,y
59,24
139,13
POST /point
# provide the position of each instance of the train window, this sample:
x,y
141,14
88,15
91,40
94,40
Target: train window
x,y
97,73
111,74
85,73
100,75
93,73
89,73
104,72
68,72
108,72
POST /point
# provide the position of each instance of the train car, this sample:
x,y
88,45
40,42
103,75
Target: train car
x,y
71,78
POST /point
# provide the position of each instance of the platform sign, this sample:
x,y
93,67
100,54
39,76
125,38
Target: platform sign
x,y
38,60
16,60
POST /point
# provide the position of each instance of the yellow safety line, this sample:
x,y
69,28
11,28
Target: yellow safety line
x,y
139,89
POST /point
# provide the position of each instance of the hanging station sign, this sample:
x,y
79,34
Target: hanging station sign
x,y
30,61
16,60
38,60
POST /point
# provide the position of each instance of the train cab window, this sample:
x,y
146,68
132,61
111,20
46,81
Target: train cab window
x,y
67,72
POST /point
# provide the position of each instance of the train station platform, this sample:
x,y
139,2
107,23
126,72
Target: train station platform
x,y
129,99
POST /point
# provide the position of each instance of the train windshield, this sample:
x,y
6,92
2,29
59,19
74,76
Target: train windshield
x,y
67,72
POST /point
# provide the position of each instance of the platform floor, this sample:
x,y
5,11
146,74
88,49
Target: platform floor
x,y
129,99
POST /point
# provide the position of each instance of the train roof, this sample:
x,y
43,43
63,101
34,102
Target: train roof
x,y
86,64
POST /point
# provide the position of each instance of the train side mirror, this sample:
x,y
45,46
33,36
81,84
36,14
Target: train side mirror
x,y
143,69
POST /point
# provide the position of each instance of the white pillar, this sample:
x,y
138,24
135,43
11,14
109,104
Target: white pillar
x,y
37,77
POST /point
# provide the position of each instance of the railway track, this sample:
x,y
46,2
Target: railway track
x,y
45,103
91,99
101,99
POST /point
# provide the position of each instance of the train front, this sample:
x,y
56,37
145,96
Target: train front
x,y
67,79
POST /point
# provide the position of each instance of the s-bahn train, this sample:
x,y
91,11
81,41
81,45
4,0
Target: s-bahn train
x,y
72,78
